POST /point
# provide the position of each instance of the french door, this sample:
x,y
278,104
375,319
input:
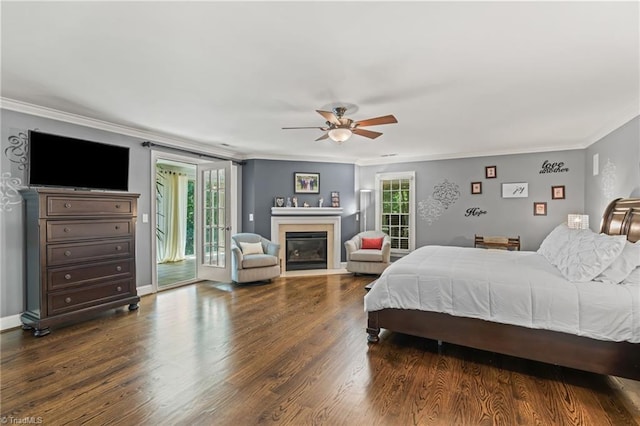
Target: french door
x,y
215,225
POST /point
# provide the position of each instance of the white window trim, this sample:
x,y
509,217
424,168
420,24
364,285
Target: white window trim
x,y
412,205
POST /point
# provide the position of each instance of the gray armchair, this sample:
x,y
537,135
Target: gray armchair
x,y
368,261
248,264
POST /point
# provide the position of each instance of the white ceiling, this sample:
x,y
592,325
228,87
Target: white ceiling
x,y
462,78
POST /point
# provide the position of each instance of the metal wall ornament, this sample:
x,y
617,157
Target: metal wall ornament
x,y
444,195
18,149
474,212
9,192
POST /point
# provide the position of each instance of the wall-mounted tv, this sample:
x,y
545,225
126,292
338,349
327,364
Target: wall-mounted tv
x,y
60,161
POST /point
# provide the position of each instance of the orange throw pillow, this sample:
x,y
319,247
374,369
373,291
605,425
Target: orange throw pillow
x,y
372,243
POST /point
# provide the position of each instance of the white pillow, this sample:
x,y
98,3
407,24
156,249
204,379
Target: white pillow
x,y
251,248
633,277
628,260
581,254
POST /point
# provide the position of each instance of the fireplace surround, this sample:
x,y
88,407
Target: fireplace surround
x,y
301,219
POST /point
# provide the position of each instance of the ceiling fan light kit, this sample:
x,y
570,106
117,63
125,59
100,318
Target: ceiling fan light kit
x,y
340,135
339,129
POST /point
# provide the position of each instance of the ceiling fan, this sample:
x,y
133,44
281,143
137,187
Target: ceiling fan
x,y
339,128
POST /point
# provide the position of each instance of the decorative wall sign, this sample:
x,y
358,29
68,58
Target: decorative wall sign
x,y
476,187
474,211
539,208
549,167
430,209
515,190
490,172
306,183
557,192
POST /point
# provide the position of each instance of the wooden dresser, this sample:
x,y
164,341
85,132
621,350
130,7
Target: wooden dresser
x,y
80,255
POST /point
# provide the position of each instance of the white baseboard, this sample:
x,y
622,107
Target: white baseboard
x,y
145,289
10,322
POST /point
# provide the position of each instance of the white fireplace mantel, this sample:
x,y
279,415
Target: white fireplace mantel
x,y
306,211
281,224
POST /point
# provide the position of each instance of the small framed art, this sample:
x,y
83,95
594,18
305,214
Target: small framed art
x,y
306,183
278,202
335,199
490,172
557,192
476,187
539,208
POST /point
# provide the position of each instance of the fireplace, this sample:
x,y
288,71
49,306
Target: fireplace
x,y
306,250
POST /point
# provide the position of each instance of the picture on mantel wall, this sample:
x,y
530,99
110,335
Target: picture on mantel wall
x,y
335,199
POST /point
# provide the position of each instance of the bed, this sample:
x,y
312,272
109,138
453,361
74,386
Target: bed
x,y
524,307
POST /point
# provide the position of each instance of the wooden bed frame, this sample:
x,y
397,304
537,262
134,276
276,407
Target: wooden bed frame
x,y
622,217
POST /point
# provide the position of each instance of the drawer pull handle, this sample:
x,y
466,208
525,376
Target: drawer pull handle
x,y
67,229
67,253
117,206
119,288
67,277
118,268
118,248
117,226
67,300
67,205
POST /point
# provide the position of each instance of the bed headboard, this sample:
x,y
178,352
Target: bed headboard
x,y
622,217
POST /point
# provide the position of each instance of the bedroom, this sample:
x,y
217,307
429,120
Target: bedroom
x,y
615,142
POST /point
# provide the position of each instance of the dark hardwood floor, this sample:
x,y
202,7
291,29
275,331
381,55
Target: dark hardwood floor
x,y
290,352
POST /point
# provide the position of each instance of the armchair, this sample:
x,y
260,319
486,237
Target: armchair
x,y
364,260
253,258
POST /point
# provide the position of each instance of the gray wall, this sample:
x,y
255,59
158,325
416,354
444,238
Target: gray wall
x,y
262,180
505,216
619,170
272,178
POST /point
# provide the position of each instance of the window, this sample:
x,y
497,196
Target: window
x,y
395,209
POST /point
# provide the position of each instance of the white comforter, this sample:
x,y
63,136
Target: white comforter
x,y
511,287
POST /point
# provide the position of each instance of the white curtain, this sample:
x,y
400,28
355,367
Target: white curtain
x,y
172,217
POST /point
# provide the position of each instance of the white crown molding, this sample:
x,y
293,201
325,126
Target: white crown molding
x,y
53,114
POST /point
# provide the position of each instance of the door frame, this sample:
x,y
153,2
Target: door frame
x,y
235,196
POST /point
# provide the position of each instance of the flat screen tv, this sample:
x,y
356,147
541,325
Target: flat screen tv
x,y
60,161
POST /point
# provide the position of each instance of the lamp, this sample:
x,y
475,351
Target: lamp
x,y
340,134
365,199
578,221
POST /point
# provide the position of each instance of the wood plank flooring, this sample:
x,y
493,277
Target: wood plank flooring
x,y
291,352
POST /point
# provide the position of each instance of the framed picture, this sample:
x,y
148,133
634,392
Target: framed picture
x,y
490,172
515,190
557,192
278,202
539,208
335,199
476,187
306,183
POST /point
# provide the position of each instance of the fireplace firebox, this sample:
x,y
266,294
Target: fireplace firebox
x,y
306,250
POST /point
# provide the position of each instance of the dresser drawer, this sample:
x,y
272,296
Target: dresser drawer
x,y
74,299
88,206
63,254
74,276
66,230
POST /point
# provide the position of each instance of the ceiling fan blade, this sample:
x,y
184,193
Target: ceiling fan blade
x,y
325,136
366,133
329,116
387,119
314,127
